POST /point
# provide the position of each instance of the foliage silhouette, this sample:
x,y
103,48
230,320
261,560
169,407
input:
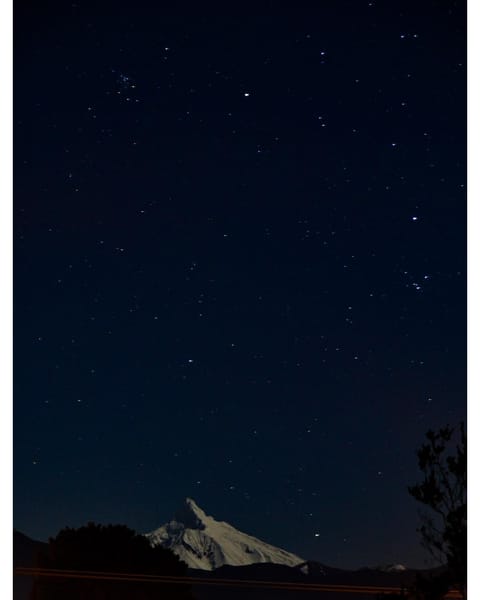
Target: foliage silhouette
x,y
110,548
432,587
443,461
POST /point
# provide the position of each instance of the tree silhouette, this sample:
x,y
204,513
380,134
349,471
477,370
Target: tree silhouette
x,y
443,461
112,549
433,586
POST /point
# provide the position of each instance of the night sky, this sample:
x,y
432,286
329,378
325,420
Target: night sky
x,y
240,264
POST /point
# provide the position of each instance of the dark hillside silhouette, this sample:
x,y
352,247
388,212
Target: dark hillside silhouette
x,y
25,552
111,548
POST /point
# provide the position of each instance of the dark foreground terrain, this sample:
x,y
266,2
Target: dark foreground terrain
x,y
316,574
26,550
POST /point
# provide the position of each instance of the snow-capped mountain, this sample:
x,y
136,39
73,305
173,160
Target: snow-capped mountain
x,y
204,543
395,568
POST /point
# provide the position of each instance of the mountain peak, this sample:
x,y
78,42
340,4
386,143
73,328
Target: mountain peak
x,y
204,543
193,506
191,515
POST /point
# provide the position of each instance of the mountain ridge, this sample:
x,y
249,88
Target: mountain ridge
x,y
202,542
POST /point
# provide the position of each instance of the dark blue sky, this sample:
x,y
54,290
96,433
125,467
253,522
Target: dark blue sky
x,y
240,263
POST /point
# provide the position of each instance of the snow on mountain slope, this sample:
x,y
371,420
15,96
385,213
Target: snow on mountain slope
x,y
393,568
204,543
